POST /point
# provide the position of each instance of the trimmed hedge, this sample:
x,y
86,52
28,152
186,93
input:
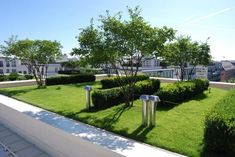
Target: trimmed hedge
x,y
180,91
219,134
70,79
114,81
28,77
13,76
114,96
69,72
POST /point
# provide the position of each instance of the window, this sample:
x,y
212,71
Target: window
x,y
20,72
1,63
8,71
1,71
13,63
13,70
25,72
7,63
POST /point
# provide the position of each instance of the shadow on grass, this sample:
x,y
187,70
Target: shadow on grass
x,y
165,105
84,84
108,121
12,93
141,132
86,132
207,152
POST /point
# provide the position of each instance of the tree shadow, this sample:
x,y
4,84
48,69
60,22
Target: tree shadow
x,y
84,84
12,93
141,132
167,105
207,152
108,121
87,132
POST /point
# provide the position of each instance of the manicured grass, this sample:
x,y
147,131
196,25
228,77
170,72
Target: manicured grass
x,y
179,129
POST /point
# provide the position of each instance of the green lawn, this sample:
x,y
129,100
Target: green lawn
x,y
179,129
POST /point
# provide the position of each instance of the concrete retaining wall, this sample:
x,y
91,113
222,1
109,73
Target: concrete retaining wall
x,y
7,84
221,85
52,140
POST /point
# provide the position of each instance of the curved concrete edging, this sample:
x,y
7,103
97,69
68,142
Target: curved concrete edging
x,y
221,85
105,139
50,139
7,84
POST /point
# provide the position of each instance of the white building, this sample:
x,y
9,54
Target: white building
x,y
10,65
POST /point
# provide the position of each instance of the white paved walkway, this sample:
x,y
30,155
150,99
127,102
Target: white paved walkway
x,y
124,146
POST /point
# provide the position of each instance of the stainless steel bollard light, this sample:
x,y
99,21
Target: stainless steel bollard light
x,y
88,97
153,104
145,99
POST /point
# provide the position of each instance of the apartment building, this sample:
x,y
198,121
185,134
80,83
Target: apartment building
x,y
12,65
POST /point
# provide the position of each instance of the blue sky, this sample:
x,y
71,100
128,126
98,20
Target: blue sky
x,y
61,19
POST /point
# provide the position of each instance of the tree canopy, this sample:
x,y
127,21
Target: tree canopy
x,y
117,42
35,54
183,52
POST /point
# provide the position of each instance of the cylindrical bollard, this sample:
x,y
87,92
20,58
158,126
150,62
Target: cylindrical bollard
x,y
153,104
88,97
145,99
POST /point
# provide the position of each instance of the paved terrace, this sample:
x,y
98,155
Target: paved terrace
x,y
116,143
12,145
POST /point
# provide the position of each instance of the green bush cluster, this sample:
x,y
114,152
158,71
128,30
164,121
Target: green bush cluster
x,y
70,79
219,134
15,76
28,77
69,72
115,81
114,96
180,91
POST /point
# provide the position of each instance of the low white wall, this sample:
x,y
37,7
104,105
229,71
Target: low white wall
x,y
52,140
221,85
7,84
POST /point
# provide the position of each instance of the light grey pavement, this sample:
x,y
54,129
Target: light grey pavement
x,y
111,141
13,145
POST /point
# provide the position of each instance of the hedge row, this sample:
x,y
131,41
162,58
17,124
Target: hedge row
x,y
110,97
115,81
15,76
70,79
219,134
180,91
69,72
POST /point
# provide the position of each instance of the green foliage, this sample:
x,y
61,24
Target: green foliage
x,y
69,72
120,81
123,41
114,96
219,134
181,91
70,64
3,78
70,79
13,76
184,51
35,54
179,129
28,77
232,80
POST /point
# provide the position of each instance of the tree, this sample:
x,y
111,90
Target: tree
x,y
118,43
183,52
34,54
